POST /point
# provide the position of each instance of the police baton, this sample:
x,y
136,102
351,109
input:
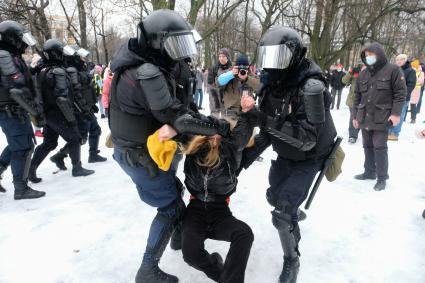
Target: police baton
x,y
326,164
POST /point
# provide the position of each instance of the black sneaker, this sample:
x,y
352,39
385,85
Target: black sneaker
x,y
102,116
380,185
32,176
79,171
58,159
95,157
27,193
290,270
365,176
153,274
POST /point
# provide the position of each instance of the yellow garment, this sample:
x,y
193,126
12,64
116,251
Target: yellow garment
x,y
415,64
161,152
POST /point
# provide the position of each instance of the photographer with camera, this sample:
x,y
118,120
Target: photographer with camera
x,y
235,83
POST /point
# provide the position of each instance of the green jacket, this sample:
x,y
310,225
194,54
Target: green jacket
x,y
349,79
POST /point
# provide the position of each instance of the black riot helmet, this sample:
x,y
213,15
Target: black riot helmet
x,y
280,48
15,36
54,50
166,31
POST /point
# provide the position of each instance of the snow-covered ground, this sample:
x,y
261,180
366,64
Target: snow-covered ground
x,y
94,229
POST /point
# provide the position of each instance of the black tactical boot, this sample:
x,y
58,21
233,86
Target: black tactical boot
x,y
153,274
22,191
2,169
289,274
32,175
176,238
301,215
95,157
365,176
58,159
79,171
380,185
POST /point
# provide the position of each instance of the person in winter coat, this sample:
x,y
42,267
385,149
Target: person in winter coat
x,y
98,84
223,65
410,81
198,91
416,93
350,79
418,107
106,90
337,85
379,98
215,161
234,83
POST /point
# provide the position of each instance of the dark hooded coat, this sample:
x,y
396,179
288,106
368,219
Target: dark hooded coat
x,y
380,91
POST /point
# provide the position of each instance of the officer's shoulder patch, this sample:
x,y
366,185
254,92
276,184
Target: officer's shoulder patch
x,y
148,71
402,78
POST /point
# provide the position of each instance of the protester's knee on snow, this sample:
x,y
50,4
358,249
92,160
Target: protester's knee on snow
x,y
245,235
191,253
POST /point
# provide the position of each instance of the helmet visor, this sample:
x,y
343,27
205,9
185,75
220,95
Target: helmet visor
x,y
274,57
29,39
196,36
181,46
83,52
68,50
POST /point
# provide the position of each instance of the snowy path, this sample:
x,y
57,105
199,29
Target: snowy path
x,y
94,229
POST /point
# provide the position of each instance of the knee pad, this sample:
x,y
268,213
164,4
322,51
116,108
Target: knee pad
x,y
283,215
271,198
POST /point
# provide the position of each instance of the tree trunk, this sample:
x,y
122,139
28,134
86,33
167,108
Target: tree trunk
x,y
82,18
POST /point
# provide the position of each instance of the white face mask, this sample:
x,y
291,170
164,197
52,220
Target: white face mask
x,y
339,70
371,60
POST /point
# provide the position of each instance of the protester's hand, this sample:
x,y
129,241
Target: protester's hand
x,y
423,133
395,120
166,132
235,70
247,103
356,124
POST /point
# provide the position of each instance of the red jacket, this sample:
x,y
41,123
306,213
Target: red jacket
x,y
106,92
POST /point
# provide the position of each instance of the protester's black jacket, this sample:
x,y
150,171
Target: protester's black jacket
x,y
218,183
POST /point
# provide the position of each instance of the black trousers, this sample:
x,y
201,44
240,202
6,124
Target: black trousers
x,y
376,153
353,132
57,126
215,221
336,92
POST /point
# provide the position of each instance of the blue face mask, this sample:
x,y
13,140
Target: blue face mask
x,y
370,60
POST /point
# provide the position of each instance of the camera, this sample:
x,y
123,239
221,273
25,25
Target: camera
x,y
243,70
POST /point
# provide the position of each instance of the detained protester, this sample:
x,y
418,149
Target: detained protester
x,y
237,82
379,99
298,124
215,160
56,90
85,99
17,103
143,99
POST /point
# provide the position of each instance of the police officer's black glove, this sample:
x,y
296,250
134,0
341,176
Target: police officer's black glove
x,y
41,120
223,128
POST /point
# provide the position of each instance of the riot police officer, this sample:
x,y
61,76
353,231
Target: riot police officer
x,y
297,123
16,102
143,99
85,101
58,102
